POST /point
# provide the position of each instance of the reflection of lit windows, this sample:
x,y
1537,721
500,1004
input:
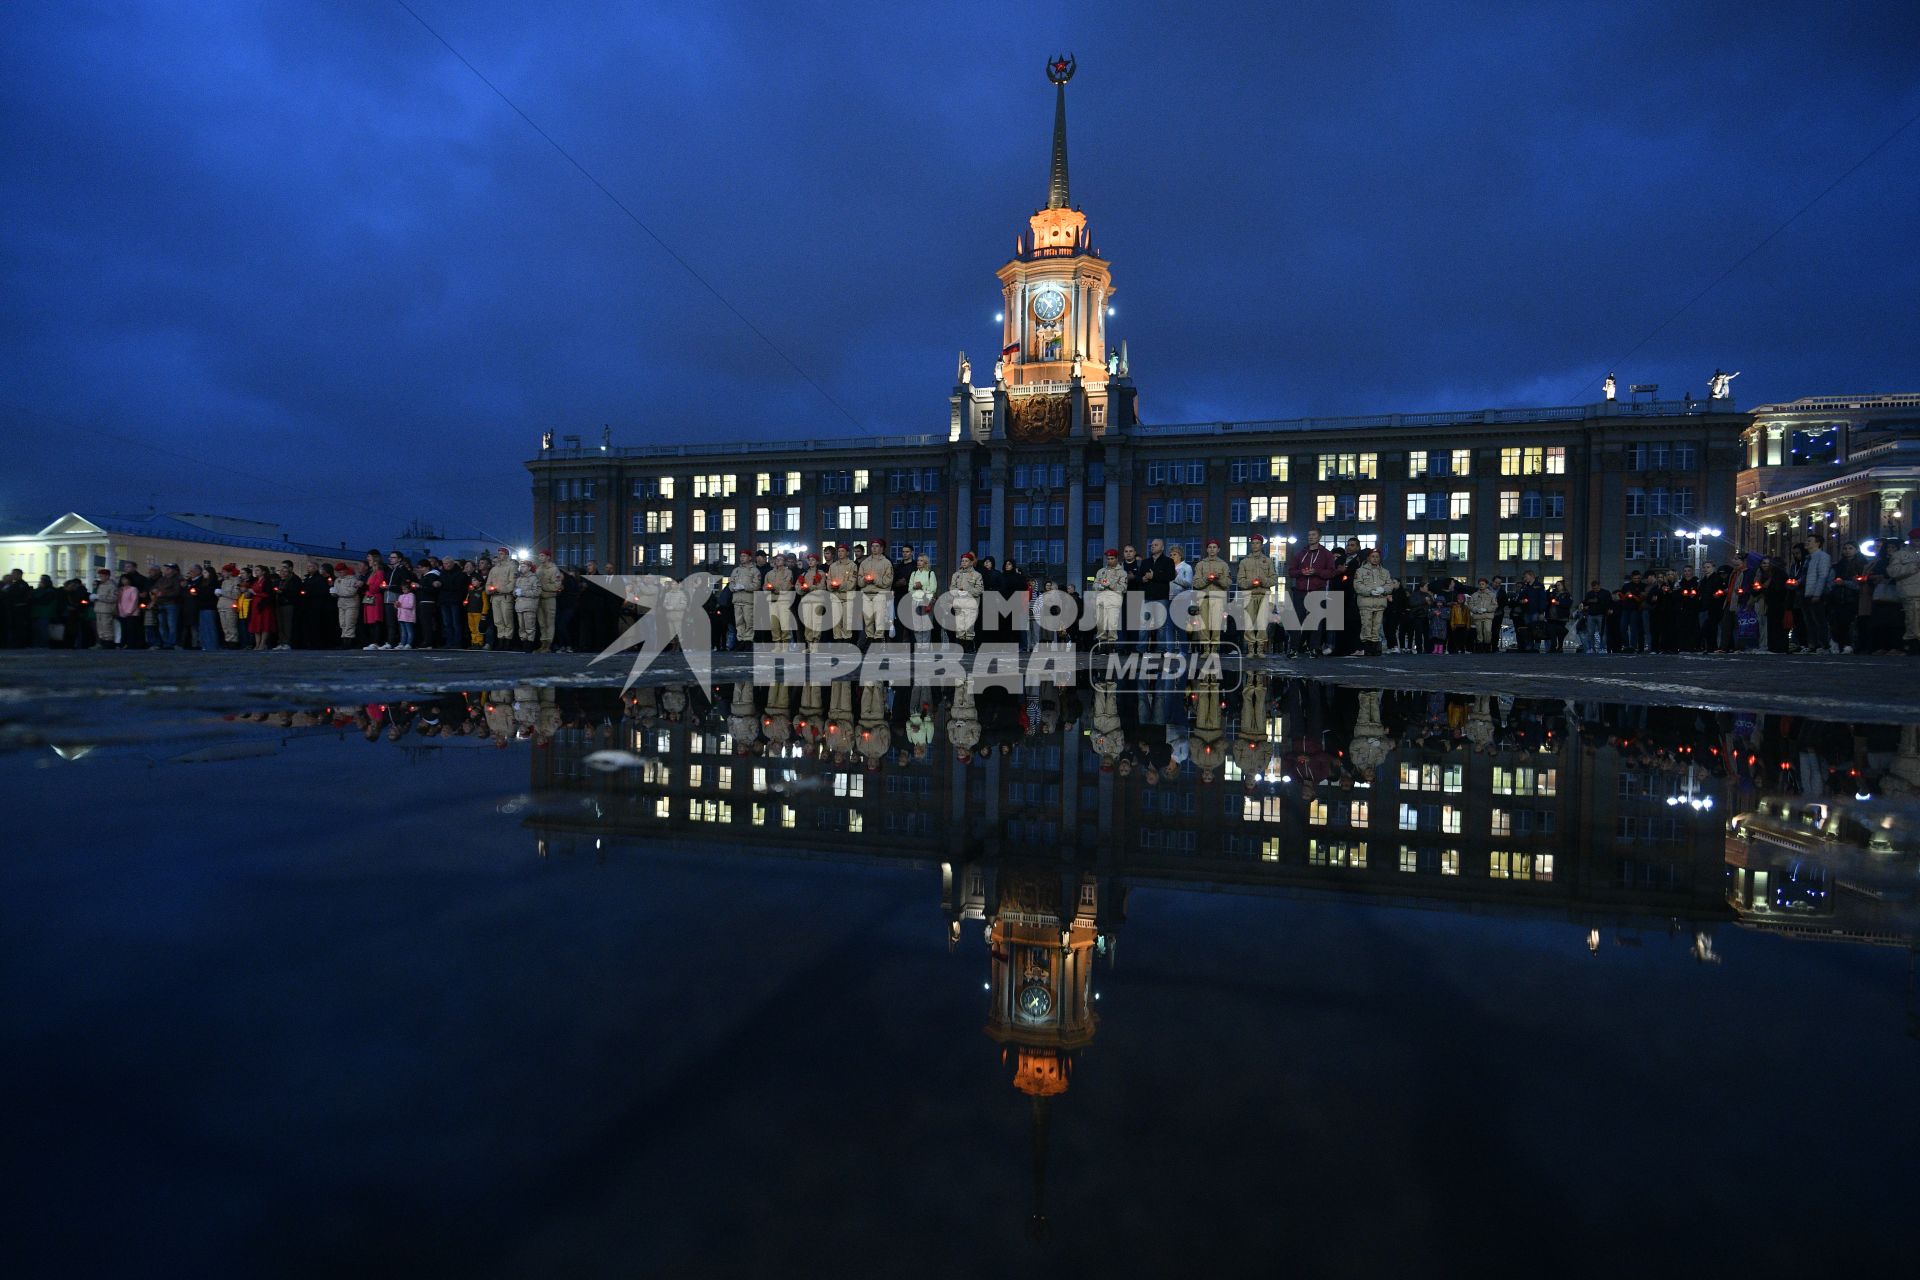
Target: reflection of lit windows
x,y
1409,859
1524,780
1501,823
1409,817
786,816
1449,862
1317,813
1270,849
1357,813
856,821
1450,819
696,776
663,807
1261,809
759,815
699,810
849,785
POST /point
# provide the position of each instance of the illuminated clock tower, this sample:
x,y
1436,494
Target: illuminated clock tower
x,y
1057,289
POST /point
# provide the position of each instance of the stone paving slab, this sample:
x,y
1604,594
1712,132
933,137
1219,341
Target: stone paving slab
x,y
37,685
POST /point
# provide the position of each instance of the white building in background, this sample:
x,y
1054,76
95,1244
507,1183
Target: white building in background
x,y
75,545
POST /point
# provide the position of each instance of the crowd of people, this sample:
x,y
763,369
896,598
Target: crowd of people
x,y
1853,600
1813,601
385,602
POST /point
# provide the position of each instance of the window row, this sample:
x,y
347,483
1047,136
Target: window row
x,y
1532,505
927,517
1658,455
1533,546
1534,460
1660,502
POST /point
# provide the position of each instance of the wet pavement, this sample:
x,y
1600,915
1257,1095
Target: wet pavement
x,y
1194,980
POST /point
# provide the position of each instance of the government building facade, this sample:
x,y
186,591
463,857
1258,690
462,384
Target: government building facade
x,y
1046,456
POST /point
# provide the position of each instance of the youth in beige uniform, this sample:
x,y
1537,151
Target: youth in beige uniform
x,y
1254,577
967,588
1372,588
549,579
876,592
500,596
840,576
1210,579
779,589
744,583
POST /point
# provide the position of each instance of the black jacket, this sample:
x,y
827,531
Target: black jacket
x,y
1160,585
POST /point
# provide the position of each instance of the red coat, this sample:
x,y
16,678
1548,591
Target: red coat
x,y
260,611
374,593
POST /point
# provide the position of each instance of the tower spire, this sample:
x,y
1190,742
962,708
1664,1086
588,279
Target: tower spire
x,y
1059,70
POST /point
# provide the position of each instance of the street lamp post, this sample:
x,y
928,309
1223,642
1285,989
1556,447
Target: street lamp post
x,y
1699,539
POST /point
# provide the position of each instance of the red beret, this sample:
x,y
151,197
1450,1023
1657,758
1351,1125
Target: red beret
x,y
1111,552
1256,537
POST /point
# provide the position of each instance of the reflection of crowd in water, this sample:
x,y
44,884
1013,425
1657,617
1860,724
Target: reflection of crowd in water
x,y
1269,730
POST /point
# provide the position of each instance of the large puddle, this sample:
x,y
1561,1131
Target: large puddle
x,y
728,981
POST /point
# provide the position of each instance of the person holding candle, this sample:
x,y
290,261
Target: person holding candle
x,y
1210,577
1254,577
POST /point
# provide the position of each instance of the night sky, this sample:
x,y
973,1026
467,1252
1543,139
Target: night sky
x,y
295,262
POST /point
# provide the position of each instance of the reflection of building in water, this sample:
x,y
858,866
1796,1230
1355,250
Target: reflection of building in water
x,y
1405,798
1042,813
1832,864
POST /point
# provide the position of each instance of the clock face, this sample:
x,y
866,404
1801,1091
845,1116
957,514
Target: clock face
x,y
1049,305
1035,1000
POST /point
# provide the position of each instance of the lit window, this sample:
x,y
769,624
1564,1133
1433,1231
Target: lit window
x,y
1509,503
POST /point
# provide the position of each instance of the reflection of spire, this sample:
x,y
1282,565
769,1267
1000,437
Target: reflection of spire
x,y
1037,1225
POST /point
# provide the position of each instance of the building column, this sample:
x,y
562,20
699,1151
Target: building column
x,y
997,530
1115,460
1077,520
963,515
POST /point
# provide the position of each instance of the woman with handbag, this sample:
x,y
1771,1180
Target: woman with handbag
x,y
373,602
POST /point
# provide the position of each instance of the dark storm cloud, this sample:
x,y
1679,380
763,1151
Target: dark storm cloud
x,y
302,239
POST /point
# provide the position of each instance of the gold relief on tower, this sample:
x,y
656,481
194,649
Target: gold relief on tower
x,y
1036,419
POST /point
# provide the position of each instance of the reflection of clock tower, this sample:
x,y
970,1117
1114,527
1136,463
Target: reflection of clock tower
x,y
1042,940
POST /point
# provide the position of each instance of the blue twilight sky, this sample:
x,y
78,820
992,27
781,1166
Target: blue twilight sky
x,y
293,261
